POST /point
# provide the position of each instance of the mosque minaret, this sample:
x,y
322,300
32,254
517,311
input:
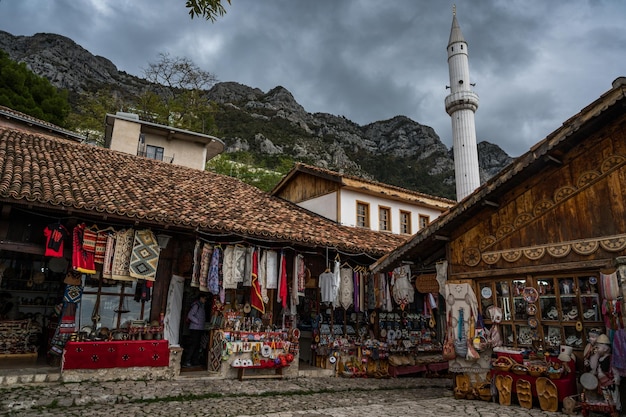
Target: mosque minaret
x,y
461,104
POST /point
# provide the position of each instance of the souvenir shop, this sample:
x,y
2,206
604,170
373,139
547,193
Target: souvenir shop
x,y
71,285
377,325
535,271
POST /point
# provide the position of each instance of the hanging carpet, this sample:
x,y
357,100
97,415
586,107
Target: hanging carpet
x,y
145,256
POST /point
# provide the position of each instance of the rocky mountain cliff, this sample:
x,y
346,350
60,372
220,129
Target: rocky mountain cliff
x,y
397,151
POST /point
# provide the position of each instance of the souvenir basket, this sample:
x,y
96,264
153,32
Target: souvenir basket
x,y
519,369
503,363
537,370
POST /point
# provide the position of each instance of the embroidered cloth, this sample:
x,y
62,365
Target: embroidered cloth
x,y
115,354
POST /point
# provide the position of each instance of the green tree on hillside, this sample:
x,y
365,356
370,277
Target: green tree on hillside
x,y
22,90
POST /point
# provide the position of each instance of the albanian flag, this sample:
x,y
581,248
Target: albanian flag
x,y
256,300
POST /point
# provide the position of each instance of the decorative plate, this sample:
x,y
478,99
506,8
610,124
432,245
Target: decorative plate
x,y
531,309
530,294
593,280
486,292
266,351
533,323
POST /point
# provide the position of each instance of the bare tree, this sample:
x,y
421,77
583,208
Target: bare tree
x,y
177,95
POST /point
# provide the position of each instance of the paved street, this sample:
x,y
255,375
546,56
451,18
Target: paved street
x,y
202,396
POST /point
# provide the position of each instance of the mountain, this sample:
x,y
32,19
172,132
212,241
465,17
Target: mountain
x,y
273,125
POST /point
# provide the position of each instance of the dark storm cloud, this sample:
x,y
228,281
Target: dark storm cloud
x,y
535,63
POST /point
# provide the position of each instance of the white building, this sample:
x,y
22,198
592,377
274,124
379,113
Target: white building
x,y
356,202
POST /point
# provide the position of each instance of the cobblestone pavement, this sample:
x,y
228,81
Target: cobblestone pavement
x,y
305,397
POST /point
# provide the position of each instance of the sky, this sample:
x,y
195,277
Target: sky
x,y
535,63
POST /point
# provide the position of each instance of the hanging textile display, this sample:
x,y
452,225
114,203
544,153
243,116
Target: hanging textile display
x,y
82,255
198,265
205,263
171,319
346,287
121,259
247,275
55,234
356,283
282,281
328,287
102,238
109,253
239,263
144,257
256,299
337,279
228,272
213,279
403,292
271,270
262,275
442,276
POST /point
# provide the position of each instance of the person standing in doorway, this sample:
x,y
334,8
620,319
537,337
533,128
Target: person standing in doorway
x,y
196,318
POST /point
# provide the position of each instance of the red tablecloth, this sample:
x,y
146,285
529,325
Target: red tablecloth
x,y
115,354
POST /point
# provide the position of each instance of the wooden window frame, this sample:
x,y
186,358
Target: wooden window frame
x,y
387,221
423,217
363,220
406,226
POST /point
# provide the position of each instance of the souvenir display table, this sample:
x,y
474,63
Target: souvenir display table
x,y
566,385
115,354
278,371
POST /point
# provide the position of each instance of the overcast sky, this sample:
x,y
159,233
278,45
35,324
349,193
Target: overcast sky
x,y
535,62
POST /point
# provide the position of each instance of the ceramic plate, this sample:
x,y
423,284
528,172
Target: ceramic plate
x,y
530,294
531,309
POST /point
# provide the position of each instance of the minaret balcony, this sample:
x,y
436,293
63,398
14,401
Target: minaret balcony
x,y
461,100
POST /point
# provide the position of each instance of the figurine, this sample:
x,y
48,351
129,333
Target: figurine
x,y
590,349
608,378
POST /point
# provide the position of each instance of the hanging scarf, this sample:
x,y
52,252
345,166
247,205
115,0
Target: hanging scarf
x,y
213,280
262,276
198,251
271,270
282,281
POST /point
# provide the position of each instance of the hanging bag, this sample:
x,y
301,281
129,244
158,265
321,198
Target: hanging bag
x,y
460,344
448,345
472,354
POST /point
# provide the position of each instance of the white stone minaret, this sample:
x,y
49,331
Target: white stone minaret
x,y
461,105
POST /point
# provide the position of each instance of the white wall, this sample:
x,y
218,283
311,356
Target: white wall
x,y
325,205
348,210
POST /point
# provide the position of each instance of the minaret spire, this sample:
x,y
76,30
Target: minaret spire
x,y
461,104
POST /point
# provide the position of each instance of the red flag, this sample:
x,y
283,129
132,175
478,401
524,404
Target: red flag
x,y
256,300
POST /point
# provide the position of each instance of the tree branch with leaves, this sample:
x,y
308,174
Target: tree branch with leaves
x,y
208,9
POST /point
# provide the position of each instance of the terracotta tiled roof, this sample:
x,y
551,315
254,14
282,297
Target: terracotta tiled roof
x,y
49,172
364,184
30,120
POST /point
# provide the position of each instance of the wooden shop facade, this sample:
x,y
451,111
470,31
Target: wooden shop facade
x,y
539,250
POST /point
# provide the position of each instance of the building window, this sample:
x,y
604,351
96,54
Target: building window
x,y
424,220
154,152
405,222
384,219
362,214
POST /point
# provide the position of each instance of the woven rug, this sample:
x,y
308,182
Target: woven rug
x,y
145,256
